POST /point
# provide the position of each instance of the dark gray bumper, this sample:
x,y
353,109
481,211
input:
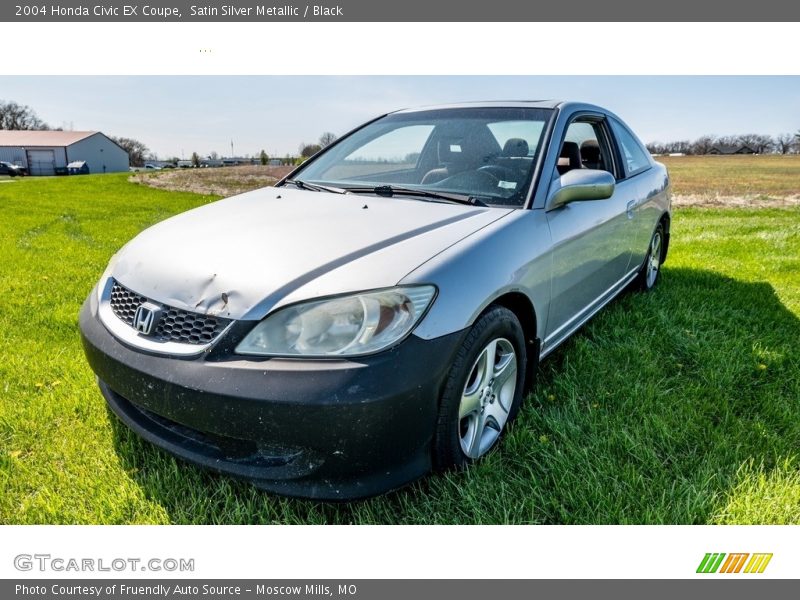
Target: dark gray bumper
x,y
327,429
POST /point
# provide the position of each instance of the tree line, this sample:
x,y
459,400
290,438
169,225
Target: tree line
x,y
784,143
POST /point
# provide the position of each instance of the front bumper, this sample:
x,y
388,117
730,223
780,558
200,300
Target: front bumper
x,y
325,429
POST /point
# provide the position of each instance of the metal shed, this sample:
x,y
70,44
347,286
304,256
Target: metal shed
x,y
46,152
78,167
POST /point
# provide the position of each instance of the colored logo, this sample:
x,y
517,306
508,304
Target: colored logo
x,y
719,562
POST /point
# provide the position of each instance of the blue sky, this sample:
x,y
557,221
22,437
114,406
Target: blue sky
x,y
176,115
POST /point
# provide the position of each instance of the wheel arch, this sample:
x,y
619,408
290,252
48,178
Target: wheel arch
x,y
666,221
523,308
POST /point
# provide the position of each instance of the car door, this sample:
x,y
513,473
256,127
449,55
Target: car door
x,y
635,162
592,239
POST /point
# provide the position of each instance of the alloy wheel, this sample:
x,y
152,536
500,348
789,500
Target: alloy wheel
x,y
487,397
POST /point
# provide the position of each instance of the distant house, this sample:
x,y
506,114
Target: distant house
x,y
732,149
78,167
49,152
158,164
241,160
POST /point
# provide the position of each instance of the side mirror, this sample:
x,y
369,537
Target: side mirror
x,y
580,184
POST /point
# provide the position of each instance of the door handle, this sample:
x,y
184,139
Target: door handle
x,y
629,208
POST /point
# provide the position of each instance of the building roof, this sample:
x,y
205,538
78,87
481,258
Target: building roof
x,y
733,149
42,138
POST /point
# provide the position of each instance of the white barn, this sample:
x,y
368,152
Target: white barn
x,y
42,152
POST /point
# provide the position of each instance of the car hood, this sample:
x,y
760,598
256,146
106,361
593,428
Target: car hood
x,y
246,255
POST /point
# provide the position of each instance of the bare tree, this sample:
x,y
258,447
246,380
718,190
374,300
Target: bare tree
x,y
19,116
655,148
785,142
195,159
326,139
732,141
213,155
702,145
759,142
678,147
136,150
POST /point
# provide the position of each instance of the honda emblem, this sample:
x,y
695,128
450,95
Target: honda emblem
x,y
146,318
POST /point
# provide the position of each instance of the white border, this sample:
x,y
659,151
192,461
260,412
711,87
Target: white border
x,y
374,552
400,48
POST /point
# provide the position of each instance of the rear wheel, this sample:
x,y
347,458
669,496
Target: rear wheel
x,y
483,391
648,275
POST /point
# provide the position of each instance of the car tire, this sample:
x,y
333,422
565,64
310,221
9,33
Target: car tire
x,y
479,401
651,268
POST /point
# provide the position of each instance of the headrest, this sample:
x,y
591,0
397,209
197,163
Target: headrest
x,y
590,151
572,154
515,148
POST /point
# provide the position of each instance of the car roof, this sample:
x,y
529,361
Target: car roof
x,y
488,104
566,108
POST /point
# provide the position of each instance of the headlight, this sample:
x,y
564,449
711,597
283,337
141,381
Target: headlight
x,y
106,274
344,326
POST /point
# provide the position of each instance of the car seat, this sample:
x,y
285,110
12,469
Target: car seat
x,y
569,158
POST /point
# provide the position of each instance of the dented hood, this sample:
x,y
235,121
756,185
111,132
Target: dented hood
x,y
246,255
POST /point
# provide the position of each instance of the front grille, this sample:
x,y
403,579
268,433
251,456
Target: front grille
x,y
175,325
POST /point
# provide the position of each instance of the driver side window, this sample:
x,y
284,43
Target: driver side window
x,y
585,147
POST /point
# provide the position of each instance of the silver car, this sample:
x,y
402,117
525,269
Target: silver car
x,y
380,312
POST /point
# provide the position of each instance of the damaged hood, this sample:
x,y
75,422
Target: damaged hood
x,y
242,257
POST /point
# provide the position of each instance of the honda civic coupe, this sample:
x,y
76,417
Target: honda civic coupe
x,y
381,312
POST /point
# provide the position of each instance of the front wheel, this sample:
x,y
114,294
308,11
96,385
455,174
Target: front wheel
x,y
483,391
648,275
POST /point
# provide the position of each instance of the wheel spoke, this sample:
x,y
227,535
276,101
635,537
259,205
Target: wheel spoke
x,y
471,443
489,355
498,412
484,367
506,368
470,403
655,251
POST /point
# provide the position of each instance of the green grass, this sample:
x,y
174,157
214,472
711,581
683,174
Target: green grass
x,y
679,406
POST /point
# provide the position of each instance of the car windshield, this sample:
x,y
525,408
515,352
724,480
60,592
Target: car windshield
x,y
485,154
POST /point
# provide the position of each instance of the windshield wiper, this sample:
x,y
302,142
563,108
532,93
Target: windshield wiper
x,y
305,185
390,190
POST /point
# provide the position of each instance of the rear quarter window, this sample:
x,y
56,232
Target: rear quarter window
x,y
634,157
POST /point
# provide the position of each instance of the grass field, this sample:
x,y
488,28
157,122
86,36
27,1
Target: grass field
x,y
680,406
737,181
758,180
221,181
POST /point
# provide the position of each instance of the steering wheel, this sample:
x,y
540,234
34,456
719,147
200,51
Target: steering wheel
x,y
472,181
498,172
